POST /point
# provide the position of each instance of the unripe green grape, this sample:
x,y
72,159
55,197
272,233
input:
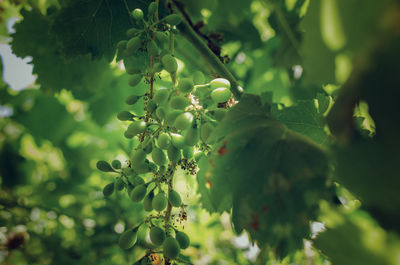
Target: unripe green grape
x,y
179,102
128,135
183,239
169,63
164,140
138,156
108,189
183,121
128,238
130,33
161,112
205,131
220,94
171,117
173,19
119,184
152,48
186,85
148,148
131,100
137,14
137,127
178,140
157,235
161,36
198,77
138,193
147,202
116,164
171,248
151,105
152,9
136,181
192,136
188,152
104,166
133,45
121,45
220,82
135,79
159,202
158,156
141,168
174,154
124,115
174,198
219,114
161,95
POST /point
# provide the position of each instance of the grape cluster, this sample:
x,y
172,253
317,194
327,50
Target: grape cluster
x,y
174,130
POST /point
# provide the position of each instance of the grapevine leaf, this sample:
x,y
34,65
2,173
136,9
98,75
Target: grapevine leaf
x,y
93,27
32,38
305,119
274,175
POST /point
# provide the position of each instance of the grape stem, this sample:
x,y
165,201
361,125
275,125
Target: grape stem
x,y
187,31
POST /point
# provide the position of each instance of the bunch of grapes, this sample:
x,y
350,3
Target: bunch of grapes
x,y
174,130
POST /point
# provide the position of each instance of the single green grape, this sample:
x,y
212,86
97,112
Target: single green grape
x,y
133,45
205,131
192,136
186,85
169,63
161,95
138,193
131,100
171,248
124,116
164,140
179,102
136,181
161,112
188,152
128,238
183,239
138,156
157,235
159,202
178,140
132,32
174,198
161,36
158,156
119,184
152,48
137,127
220,94
108,189
137,14
183,121
173,19
152,9
104,166
141,167
220,82
174,154
147,202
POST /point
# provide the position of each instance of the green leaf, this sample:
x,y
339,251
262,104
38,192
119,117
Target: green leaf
x,y
93,27
273,176
32,38
305,119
